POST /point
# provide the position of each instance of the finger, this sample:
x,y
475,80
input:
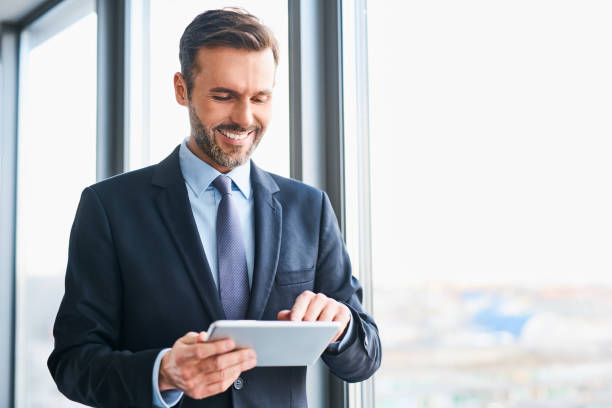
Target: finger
x,y
300,305
221,375
329,313
343,314
193,337
230,374
208,384
189,338
283,315
222,361
343,317
317,304
205,388
204,350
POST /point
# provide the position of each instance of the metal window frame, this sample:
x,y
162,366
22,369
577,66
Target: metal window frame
x,y
365,390
9,54
316,118
111,88
316,97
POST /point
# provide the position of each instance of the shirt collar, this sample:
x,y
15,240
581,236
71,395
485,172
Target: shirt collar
x,y
199,175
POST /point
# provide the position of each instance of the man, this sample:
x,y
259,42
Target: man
x,y
158,254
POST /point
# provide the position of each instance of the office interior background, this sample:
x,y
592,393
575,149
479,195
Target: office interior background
x,y
465,146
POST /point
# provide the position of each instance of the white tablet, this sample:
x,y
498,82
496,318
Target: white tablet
x,y
277,343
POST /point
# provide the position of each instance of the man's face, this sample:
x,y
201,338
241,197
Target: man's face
x,y
230,104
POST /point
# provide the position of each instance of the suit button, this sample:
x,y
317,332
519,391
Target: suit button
x,y
366,341
239,383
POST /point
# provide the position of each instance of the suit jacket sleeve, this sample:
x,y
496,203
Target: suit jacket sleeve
x,y
361,358
87,362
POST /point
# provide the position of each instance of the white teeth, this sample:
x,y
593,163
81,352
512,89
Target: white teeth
x,y
235,136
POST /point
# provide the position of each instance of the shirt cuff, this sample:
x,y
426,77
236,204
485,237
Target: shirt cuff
x,y
340,345
164,399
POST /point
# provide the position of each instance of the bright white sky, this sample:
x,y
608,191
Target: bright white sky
x,y
491,138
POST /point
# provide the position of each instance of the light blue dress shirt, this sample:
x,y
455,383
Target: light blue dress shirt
x,y
204,200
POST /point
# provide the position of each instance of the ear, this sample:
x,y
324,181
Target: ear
x,y
180,89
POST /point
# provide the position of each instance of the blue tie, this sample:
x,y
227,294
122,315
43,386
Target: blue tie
x,y
231,257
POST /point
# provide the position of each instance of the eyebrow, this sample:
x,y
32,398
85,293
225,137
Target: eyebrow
x,y
232,92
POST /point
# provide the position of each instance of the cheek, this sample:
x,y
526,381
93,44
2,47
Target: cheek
x,y
212,114
264,115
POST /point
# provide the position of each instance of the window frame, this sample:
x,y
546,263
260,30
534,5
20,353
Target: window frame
x,y
9,71
358,221
316,111
41,24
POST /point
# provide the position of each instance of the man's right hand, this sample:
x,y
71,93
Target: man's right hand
x,y
201,369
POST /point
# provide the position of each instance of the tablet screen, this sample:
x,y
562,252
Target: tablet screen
x,y
277,343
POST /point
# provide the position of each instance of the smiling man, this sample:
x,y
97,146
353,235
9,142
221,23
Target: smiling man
x,y
231,92
158,254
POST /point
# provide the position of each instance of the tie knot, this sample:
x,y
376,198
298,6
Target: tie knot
x,y
223,184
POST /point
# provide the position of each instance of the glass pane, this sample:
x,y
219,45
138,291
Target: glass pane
x,y
56,160
357,166
159,123
351,152
491,196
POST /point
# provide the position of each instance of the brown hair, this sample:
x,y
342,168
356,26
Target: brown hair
x,y
228,27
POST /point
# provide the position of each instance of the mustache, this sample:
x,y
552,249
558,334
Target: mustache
x,y
232,127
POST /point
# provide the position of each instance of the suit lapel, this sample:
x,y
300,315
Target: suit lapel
x,y
268,226
175,210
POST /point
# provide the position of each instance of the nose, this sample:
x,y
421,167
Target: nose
x,y
242,114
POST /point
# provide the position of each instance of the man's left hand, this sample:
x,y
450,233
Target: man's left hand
x,y
311,307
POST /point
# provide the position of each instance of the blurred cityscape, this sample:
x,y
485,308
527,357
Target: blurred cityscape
x,y
35,386
444,346
493,347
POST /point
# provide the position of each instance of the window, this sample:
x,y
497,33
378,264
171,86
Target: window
x,y
157,122
56,160
490,225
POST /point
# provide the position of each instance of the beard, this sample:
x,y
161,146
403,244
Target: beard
x,y
206,141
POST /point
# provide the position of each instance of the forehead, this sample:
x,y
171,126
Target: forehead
x,y
241,70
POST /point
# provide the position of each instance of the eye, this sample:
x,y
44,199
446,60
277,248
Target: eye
x,y
261,99
221,98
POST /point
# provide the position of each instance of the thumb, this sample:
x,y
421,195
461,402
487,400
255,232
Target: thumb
x,y
191,338
284,315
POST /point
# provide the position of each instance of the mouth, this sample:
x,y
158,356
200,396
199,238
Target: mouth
x,y
236,138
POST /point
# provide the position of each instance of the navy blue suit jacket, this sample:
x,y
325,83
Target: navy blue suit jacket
x,y
137,280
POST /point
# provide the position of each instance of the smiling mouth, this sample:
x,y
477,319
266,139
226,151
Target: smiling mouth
x,y
235,136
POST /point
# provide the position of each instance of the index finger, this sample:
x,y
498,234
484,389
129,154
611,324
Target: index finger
x,y
301,305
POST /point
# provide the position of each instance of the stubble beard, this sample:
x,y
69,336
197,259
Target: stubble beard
x,y
206,141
